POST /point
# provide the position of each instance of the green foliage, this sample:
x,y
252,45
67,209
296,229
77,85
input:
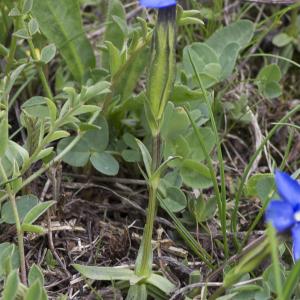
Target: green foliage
x,y
268,81
92,147
260,185
60,22
216,58
59,105
24,204
11,284
8,257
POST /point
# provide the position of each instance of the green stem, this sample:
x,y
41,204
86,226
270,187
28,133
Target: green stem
x,y
13,44
40,70
20,234
144,261
275,259
145,266
12,51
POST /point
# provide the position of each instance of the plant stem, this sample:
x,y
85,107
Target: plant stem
x,y
144,268
20,234
40,70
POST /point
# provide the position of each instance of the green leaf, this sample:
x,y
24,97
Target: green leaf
x,y
146,157
115,59
106,273
36,107
161,283
27,6
14,12
282,39
131,155
57,135
127,80
137,292
182,94
100,88
37,211
228,59
44,153
33,27
22,34
269,73
24,205
34,291
175,122
3,135
52,110
33,228
14,153
60,22
94,140
11,286
8,250
196,151
240,32
175,199
13,77
114,33
206,61
195,174
260,185
35,273
269,278
97,140
105,163
48,53
271,89
203,209
84,109
79,156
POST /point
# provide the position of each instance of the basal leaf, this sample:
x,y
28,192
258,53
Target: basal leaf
x,y
106,273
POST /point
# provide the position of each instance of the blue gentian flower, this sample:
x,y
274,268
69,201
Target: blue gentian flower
x,y
284,214
157,3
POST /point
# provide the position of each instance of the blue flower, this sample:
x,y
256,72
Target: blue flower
x,y
157,3
284,214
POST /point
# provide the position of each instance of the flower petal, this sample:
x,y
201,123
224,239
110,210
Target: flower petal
x,y
280,214
157,3
288,188
296,241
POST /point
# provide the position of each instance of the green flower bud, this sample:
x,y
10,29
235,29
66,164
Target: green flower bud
x,y
162,66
